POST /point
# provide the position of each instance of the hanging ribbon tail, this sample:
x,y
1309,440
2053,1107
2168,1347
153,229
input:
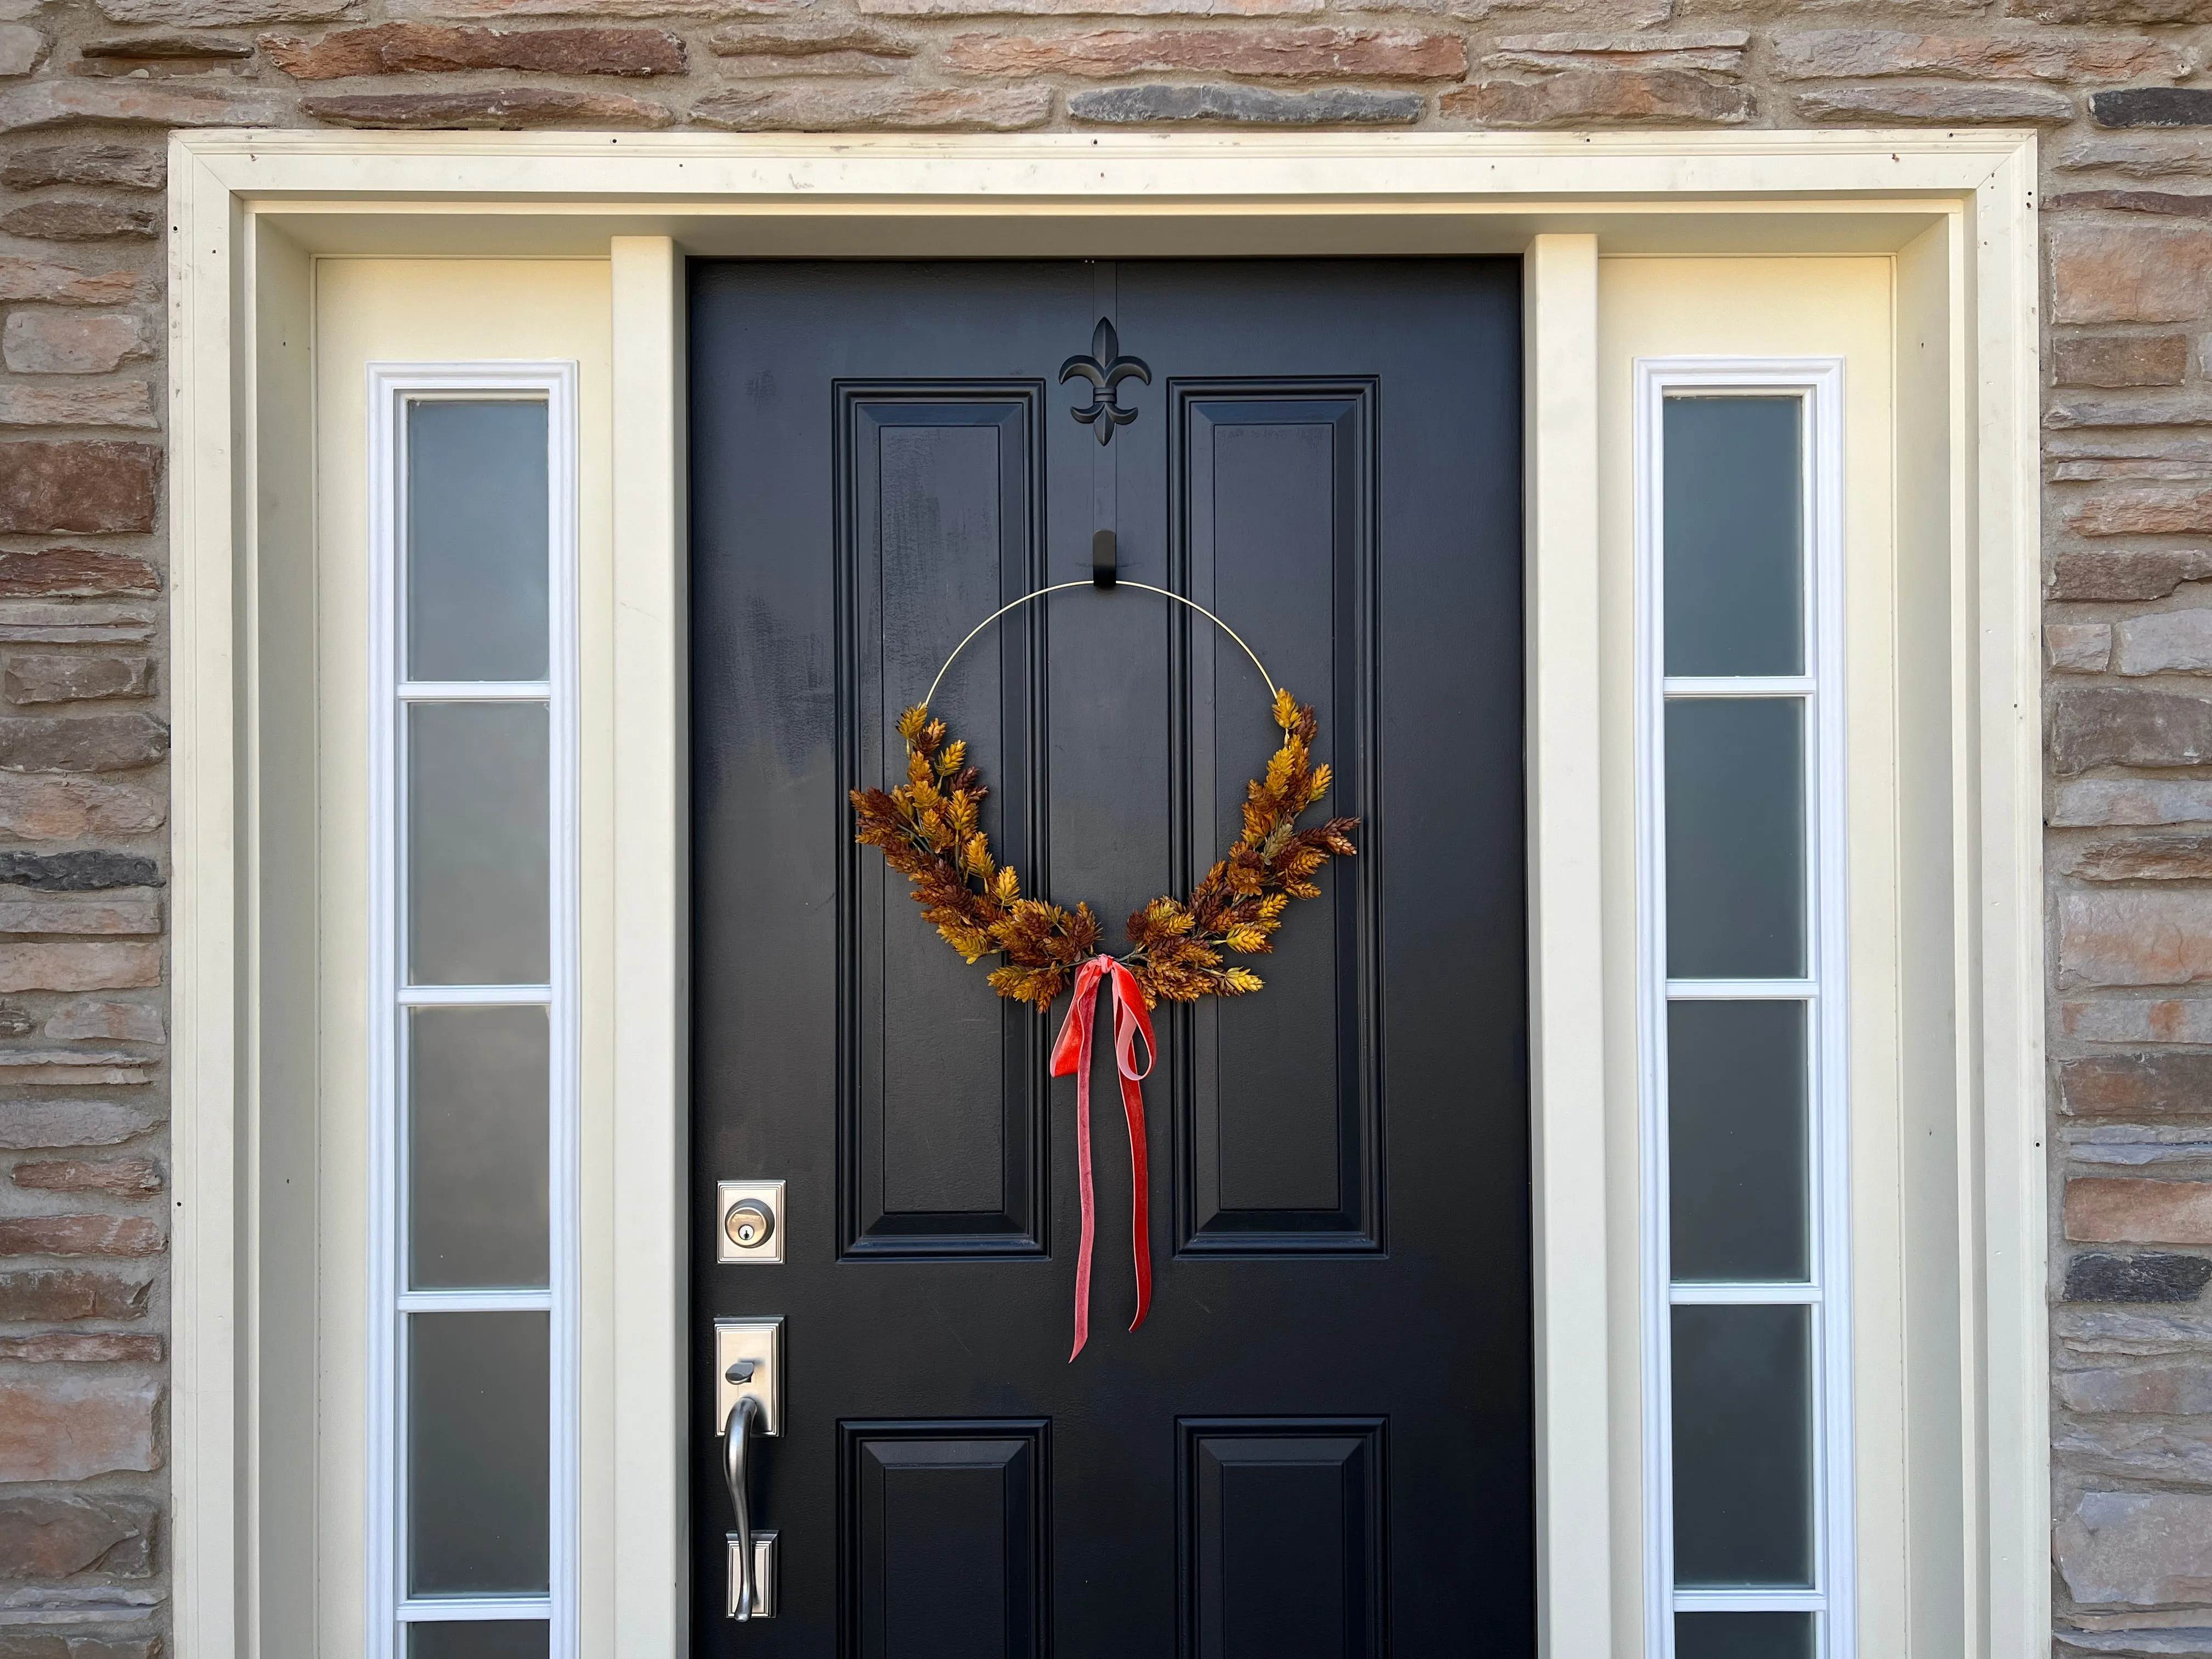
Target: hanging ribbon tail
x,y
1072,1053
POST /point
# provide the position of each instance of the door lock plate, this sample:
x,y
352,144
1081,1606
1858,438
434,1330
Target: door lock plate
x,y
764,1575
757,1343
748,1223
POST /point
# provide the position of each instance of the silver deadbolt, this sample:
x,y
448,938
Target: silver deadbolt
x,y
749,1222
750,1214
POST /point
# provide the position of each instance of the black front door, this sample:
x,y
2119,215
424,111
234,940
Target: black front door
x,y
1319,1444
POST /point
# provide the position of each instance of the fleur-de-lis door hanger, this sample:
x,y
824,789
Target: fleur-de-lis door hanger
x,y
1105,368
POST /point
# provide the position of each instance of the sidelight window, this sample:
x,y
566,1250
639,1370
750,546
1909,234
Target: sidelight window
x,y
1741,1047
473,1028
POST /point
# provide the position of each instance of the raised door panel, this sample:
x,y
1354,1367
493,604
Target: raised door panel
x,y
941,1080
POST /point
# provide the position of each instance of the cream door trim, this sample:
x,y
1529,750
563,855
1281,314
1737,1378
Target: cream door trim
x,y
251,211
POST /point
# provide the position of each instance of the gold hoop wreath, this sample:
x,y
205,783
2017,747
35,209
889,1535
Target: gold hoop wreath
x,y
930,830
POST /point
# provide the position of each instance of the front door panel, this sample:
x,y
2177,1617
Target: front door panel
x,y
1319,1444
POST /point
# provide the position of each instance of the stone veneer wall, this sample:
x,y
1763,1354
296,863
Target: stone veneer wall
x,y
88,87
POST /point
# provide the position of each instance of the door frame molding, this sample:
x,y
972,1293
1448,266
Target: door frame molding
x,y
251,211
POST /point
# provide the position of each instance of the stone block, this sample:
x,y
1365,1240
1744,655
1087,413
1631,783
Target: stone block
x,y
39,341
763,66
37,279
71,1425
82,1348
88,870
225,13
2138,1019
134,1177
62,808
1851,54
2134,936
2150,1278
2166,641
126,910
2118,725
837,38
2190,204
83,743
55,1536
1574,96
28,1124
1230,104
1299,54
2183,410
85,162
1718,49
504,109
57,102
2150,1083
97,1019
81,1234
406,48
2144,512
2145,858
2129,1210
31,1642
80,221
31,680
21,48
2153,107
131,403
2120,359
71,1067
834,109
2137,1549
2132,1449
73,573
2136,575
26,621
2135,274
182,51
91,485
53,1296
102,965
2158,157
2072,647
1947,104
1091,7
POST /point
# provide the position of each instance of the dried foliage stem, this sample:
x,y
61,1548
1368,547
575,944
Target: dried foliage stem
x,y
930,830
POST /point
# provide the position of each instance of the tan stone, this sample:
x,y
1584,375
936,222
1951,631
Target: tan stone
x,y
92,1017
504,109
1946,103
2140,1020
67,220
35,622
508,9
1848,54
69,1068
2137,1549
2111,1210
2186,204
2183,408
38,341
131,403
2144,858
1091,8
82,1348
128,910
2140,158
2134,938
106,965
1287,54
2092,725
125,1177
2145,274
29,681
2144,512
2121,360
764,66
34,1124
2076,647
49,1295
400,48
1720,49
2167,1390
2113,11
831,109
63,808
2130,800
225,13
1586,95
71,1425
36,279
176,48
783,40
51,103
2144,575
81,1235
84,162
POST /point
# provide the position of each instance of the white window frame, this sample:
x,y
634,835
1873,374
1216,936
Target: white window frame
x,y
393,387
1818,386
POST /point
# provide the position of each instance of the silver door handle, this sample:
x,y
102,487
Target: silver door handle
x,y
737,1442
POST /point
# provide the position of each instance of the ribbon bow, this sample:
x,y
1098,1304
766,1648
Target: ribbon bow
x,y
1071,1052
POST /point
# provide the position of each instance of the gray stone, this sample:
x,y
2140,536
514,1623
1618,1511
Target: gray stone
x,y
2134,1449
90,870
58,1534
2136,1278
89,742
1944,103
2079,647
2152,575
1337,106
2153,107
31,1125
30,680
2137,1549
2096,801
2178,409
2175,1388
134,166
2116,726
2167,641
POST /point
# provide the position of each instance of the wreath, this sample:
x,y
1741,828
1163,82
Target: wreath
x,y
931,830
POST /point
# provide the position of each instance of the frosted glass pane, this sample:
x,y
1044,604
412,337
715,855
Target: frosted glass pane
x,y
1736,838
478,853
1736,1140
478,539
1734,536
1743,1446
1743,1636
480,1638
478,1437
478,1096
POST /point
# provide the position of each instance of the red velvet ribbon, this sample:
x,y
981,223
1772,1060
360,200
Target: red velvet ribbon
x,y
1071,1052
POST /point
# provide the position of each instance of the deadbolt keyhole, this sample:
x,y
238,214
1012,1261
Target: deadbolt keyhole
x,y
748,1223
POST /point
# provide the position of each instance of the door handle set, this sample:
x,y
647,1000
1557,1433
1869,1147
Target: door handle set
x,y
748,1403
